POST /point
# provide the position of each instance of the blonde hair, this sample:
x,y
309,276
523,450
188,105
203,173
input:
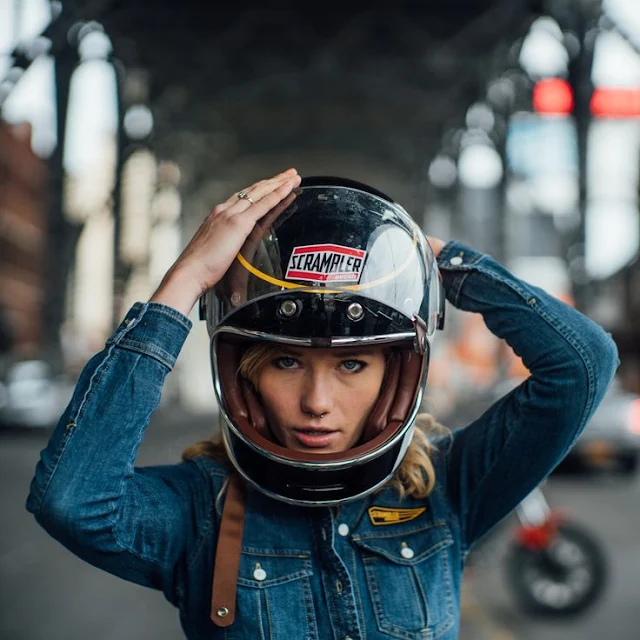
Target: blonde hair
x,y
414,477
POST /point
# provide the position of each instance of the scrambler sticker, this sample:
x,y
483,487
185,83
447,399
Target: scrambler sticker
x,y
325,263
384,515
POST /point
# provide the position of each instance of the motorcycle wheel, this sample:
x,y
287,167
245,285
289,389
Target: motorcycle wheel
x,y
564,578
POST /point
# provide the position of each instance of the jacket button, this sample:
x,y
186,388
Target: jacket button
x,y
456,260
222,612
343,529
406,552
259,573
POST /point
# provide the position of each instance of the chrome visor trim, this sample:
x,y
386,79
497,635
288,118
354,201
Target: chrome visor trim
x,y
252,334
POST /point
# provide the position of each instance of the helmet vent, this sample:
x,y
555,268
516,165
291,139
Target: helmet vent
x,y
328,487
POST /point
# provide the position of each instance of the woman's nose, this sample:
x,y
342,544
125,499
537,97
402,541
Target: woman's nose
x,y
316,397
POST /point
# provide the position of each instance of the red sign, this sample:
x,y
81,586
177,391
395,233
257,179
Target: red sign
x,y
615,103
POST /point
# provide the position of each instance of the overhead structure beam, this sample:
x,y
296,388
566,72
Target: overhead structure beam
x,y
52,40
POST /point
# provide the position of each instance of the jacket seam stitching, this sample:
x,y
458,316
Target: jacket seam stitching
x,y
74,418
149,349
207,526
458,291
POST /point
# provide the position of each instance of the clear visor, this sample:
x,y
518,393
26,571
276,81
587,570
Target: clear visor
x,y
352,246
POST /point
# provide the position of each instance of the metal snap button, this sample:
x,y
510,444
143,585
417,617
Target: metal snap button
x,y
355,311
407,552
288,308
456,260
259,573
222,612
343,529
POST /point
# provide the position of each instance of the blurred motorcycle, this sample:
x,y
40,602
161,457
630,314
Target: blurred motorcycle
x,y
553,564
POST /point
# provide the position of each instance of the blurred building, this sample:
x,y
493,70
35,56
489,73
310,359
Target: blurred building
x,y
23,188
616,305
149,240
89,290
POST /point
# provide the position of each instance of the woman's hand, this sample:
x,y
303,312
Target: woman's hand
x,y
436,244
218,240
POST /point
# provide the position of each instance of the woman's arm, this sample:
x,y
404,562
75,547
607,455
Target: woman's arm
x,y
86,492
504,454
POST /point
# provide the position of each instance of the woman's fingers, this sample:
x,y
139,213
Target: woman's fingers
x,y
255,192
215,244
267,198
265,195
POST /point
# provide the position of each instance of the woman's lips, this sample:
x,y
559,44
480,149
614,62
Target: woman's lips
x,y
315,438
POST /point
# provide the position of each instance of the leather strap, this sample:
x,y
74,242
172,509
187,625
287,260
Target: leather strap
x,y
227,564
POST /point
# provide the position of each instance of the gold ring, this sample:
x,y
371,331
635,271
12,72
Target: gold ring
x,y
243,195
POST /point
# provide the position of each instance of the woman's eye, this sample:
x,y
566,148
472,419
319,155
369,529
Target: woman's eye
x,y
353,366
285,363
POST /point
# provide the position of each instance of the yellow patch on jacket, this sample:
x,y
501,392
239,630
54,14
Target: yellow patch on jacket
x,y
384,515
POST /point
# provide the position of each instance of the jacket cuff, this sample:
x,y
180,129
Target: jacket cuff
x,y
153,329
455,262
455,256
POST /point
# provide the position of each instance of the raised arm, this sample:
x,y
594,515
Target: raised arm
x,y
86,492
134,522
498,459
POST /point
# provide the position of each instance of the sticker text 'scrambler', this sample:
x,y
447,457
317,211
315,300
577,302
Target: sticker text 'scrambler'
x,y
325,263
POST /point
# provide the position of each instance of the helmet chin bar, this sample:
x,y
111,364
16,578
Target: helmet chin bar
x,y
311,478
314,487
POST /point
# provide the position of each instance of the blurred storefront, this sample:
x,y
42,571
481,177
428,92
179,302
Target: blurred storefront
x,y
23,184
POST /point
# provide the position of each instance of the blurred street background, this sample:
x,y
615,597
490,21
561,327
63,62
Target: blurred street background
x,y
512,125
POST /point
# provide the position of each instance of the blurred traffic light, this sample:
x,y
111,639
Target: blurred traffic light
x,y
553,97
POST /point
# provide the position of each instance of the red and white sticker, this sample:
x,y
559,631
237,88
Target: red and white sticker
x,y
325,263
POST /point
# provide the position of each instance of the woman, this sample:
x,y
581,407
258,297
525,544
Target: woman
x,y
327,514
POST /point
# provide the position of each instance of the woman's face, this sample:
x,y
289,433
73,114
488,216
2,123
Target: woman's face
x,y
317,400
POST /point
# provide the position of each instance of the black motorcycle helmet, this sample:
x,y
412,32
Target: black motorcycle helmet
x,y
337,263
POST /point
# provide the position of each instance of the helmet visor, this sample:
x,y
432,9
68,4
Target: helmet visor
x,y
336,242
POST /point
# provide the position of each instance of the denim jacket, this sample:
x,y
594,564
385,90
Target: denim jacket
x,y
379,567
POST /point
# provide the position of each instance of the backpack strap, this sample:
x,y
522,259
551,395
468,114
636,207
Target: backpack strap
x,y
227,563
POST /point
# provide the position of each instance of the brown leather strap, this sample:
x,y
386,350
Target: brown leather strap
x,y
227,565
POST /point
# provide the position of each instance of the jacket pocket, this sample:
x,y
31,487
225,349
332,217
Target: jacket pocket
x,y
274,598
409,580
